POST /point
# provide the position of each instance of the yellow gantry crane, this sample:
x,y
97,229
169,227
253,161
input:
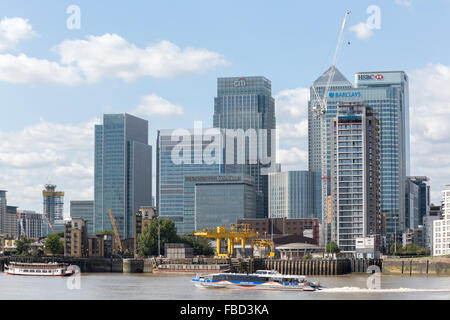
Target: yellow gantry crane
x,y
113,222
235,234
267,244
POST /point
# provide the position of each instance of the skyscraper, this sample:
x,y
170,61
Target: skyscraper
x,y
180,154
423,196
3,203
123,171
53,207
84,210
387,93
247,103
295,194
355,187
30,225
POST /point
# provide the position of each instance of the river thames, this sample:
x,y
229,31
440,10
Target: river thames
x,y
118,286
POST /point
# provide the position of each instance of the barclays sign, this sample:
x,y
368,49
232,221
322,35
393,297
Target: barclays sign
x,y
351,94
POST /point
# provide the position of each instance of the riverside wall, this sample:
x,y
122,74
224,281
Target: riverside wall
x,y
193,265
417,266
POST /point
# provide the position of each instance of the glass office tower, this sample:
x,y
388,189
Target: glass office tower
x,y
123,171
387,92
180,154
247,103
221,200
295,194
83,209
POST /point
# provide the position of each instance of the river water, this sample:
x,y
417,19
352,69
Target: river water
x,y
106,286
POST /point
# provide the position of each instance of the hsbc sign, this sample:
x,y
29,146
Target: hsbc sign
x,y
374,76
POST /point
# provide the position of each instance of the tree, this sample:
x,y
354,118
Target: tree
x,y
332,247
23,246
200,245
54,244
148,240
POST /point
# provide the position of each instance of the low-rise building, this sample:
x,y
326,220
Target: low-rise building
x,y
76,238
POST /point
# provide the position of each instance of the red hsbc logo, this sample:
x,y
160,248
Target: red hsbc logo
x,y
379,76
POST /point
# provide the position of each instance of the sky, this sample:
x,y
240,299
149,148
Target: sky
x,y
63,64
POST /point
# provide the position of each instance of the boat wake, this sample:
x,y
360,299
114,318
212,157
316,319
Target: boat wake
x,y
366,290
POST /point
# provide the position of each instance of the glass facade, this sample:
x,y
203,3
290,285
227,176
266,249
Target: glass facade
x,y
388,94
247,103
122,171
223,200
177,158
295,194
85,211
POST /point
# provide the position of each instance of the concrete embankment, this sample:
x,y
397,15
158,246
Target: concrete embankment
x,y
417,266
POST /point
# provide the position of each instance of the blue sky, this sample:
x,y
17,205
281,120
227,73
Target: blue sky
x,y
46,132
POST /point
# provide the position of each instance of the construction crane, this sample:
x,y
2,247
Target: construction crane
x,y
49,223
235,234
267,244
113,223
320,110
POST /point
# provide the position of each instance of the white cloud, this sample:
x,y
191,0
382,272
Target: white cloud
x,y
292,102
47,152
154,105
297,130
104,57
293,158
25,70
362,30
111,56
14,30
429,122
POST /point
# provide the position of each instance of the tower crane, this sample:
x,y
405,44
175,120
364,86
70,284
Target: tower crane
x,y
320,109
49,223
113,222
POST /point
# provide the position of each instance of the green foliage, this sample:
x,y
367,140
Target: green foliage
x,y
410,249
332,247
23,246
307,256
54,243
148,240
39,252
200,245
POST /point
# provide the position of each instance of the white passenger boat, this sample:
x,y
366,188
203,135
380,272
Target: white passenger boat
x,y
51,269
261,279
